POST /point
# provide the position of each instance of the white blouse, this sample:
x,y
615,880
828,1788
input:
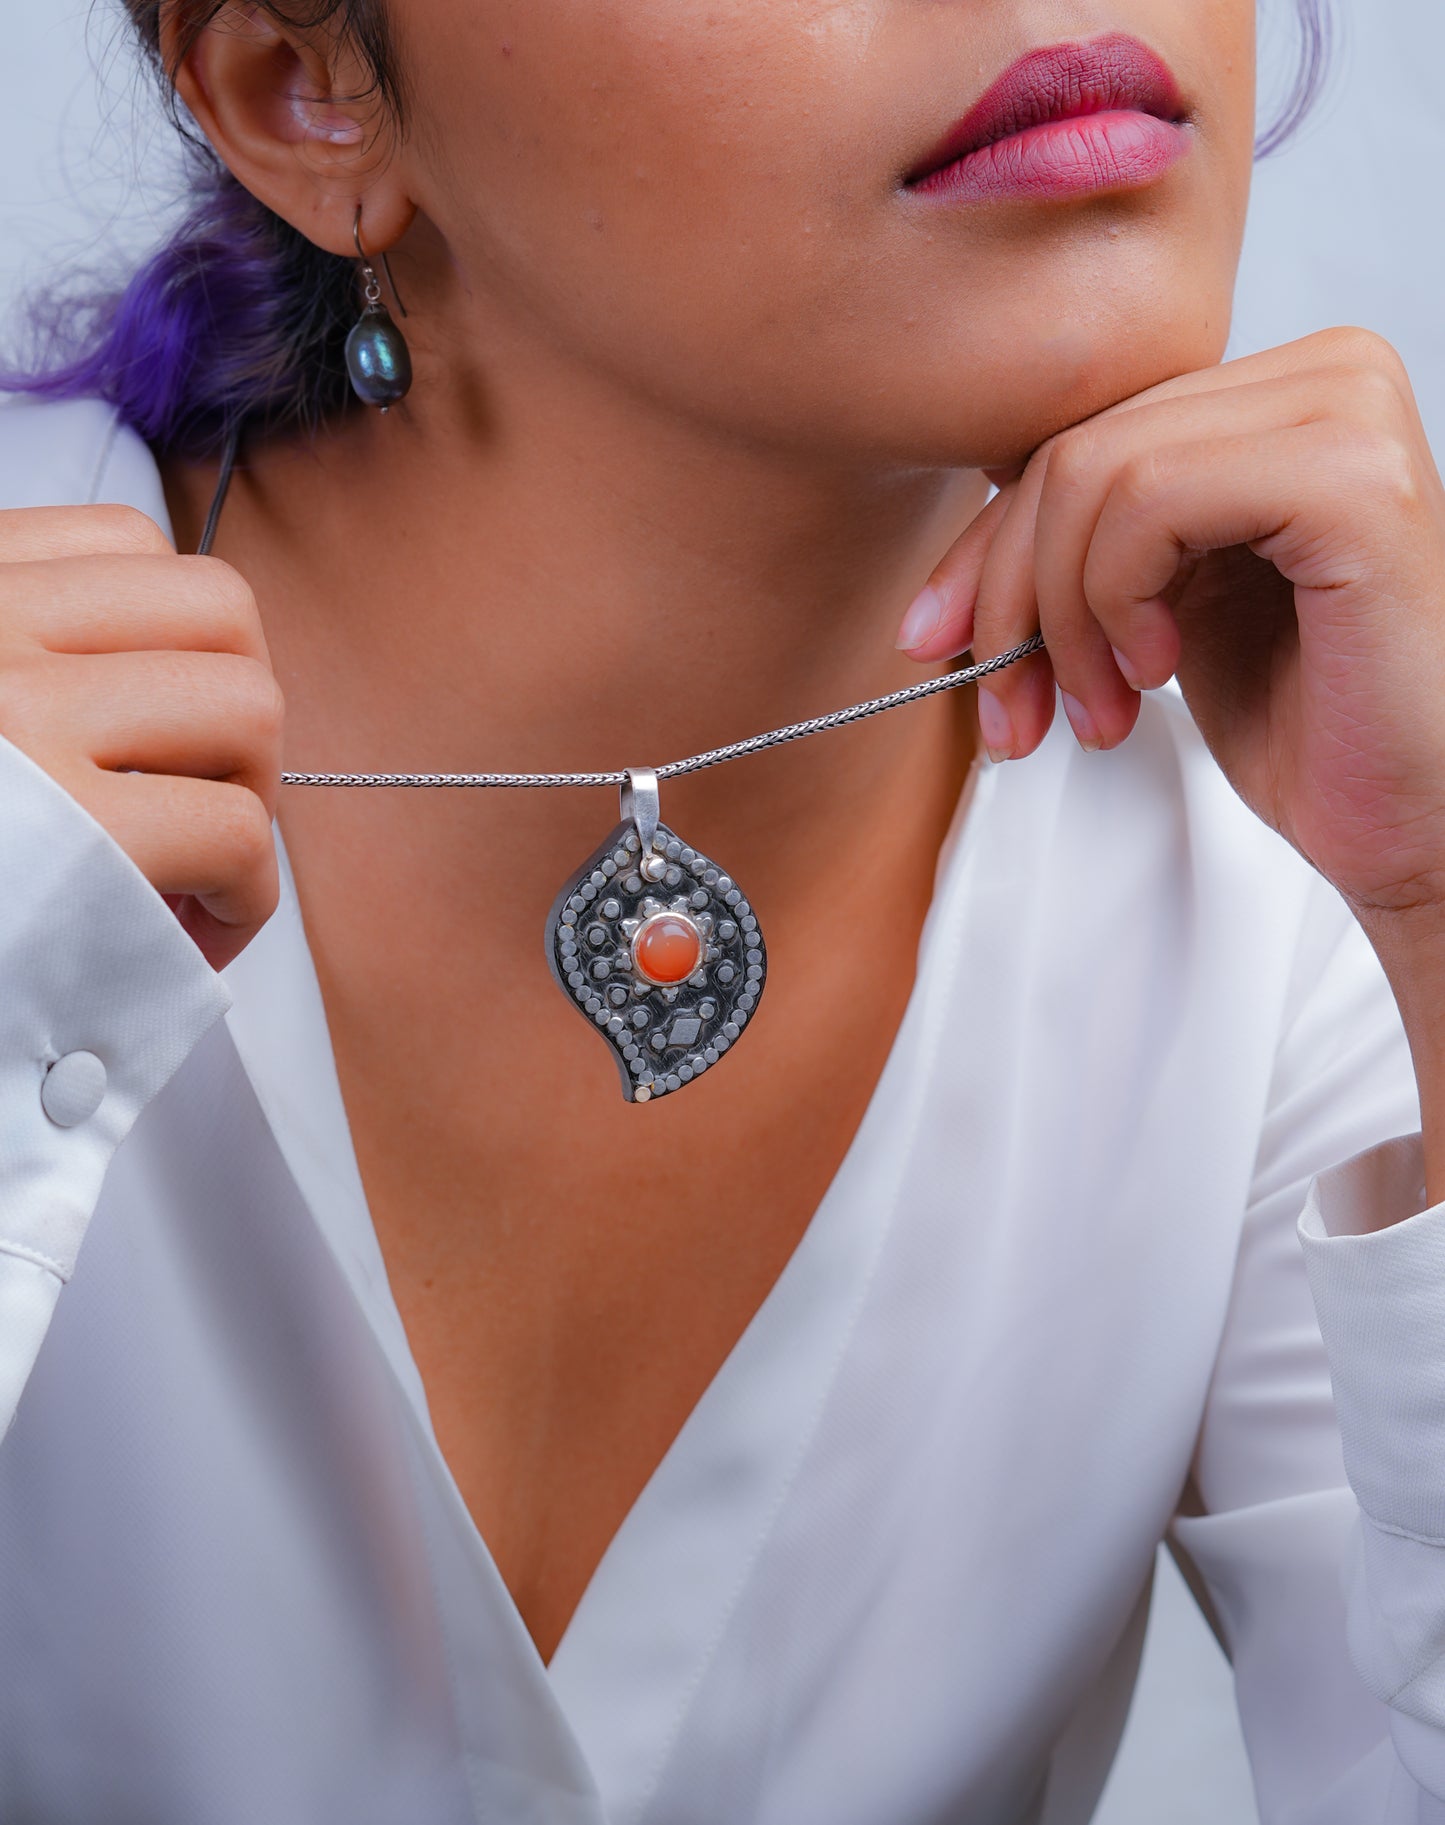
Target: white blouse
x,y
894,1568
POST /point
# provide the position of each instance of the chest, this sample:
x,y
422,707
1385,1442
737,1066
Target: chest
x,y
573,1271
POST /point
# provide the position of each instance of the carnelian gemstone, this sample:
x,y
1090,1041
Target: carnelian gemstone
x,y
667,948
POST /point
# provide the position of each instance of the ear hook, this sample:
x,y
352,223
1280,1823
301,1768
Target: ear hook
x,y
366,263
378,362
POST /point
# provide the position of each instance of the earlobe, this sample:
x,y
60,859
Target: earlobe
x,y
281,112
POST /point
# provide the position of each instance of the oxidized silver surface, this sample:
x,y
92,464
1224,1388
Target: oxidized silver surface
x,y
661,1036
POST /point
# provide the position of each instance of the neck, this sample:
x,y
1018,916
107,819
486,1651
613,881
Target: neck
x,y
570,579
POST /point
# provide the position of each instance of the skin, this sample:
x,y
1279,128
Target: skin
x,y
703,399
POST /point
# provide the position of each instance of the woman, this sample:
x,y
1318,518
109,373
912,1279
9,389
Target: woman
x,y
424,1434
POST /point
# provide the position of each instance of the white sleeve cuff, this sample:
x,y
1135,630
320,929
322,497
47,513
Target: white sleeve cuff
x,y
1376,1263
92,961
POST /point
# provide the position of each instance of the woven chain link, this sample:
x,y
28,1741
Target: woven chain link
x,y
714,757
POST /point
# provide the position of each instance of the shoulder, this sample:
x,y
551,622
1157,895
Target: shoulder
x,y
75,453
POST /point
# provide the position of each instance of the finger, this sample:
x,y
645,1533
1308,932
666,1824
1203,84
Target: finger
x,y
939,621
212,716
940,625
1102,658
1295,498
218,943
1015,706
209,838
1323,354
1018,570
1014,718
1100,667
102,604
30,533
981,584
1191,498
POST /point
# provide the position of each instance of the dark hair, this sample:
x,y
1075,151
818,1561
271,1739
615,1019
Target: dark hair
x,y
238,319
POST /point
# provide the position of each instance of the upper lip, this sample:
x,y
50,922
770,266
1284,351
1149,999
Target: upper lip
x,y
1060,82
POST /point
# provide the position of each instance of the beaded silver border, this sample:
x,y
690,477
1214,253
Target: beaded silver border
x,y
662,1038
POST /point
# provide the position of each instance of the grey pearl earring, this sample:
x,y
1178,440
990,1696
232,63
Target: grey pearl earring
x,y
378,361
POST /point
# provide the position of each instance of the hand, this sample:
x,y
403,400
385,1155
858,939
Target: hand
x,y
1273,531
140,681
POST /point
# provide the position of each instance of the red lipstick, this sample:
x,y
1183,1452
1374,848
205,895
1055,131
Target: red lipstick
x,y
1068,120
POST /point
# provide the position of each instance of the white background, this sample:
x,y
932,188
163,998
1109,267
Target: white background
x,y
1348,226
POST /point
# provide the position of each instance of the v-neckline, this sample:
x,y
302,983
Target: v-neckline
x,y
657,1604
620,1674
588,1735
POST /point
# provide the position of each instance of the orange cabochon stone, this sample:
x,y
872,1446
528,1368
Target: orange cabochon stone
x,y
668,948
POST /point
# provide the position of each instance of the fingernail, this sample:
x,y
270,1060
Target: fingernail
x,y
923,620
1126,666
995,726
1082,723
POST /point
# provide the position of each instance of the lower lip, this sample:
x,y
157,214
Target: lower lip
x,y
1118,150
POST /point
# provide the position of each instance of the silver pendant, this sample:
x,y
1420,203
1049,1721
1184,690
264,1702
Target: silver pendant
x,y
657,948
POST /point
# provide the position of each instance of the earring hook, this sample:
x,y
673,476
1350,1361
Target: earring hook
x,y
366,263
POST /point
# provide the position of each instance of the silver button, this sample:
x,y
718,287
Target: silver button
x,y
73,1089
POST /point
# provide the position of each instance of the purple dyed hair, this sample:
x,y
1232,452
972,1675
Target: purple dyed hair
x,y
240,321
1309,77
237,320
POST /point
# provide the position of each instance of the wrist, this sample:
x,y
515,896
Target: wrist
x,y
1411,949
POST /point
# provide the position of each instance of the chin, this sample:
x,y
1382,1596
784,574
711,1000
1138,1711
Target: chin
x,y
1057,374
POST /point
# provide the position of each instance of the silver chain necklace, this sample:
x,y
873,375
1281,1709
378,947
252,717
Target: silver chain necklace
x,y
653,943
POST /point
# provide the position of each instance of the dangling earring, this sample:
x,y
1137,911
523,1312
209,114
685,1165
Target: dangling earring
x,y
377,358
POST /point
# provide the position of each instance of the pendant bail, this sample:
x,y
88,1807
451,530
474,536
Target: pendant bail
x,y
641,807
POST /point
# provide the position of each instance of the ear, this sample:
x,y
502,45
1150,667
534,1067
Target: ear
x,y
292,117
